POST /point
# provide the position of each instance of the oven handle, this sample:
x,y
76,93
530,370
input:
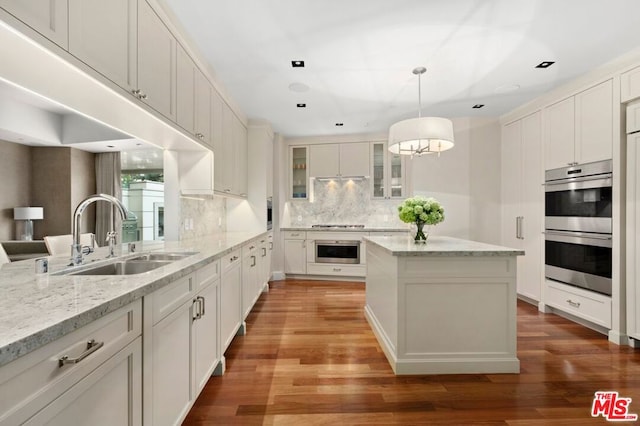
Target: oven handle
x,y
587,182
598,240
337,243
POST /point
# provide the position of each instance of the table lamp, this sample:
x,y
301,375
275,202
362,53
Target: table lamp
x,y
28,215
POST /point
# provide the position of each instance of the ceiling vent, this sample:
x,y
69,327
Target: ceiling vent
x,y
297,64
545,64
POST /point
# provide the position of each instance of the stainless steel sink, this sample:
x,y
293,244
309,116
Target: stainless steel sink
x,y
128,267
164,256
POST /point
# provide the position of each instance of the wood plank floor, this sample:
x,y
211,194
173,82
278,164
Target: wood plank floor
x,y
310,358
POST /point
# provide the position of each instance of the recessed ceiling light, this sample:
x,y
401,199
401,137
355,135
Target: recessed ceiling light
x,y
110,146
339,124
545,64
478,106
301,105
298,87
297,64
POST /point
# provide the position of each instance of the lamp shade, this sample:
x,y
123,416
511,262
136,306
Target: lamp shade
x,y
422,135
28,213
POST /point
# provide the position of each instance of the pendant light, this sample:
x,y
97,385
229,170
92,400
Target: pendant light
x,y
422,135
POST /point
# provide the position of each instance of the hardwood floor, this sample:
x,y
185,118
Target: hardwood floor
x,y
310,358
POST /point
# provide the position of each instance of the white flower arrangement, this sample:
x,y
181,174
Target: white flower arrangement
x,y
421,210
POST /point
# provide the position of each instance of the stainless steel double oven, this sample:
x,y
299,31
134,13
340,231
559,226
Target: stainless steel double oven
x,y
578,225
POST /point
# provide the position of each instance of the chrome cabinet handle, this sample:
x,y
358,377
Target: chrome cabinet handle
x,y
202,301
264,251
337,269
522,227
197,311
92,346
518,227
270,245
233,259
253,258
573,304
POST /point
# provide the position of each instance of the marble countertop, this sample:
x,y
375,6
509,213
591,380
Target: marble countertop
x,y
37,309
440,246
365,229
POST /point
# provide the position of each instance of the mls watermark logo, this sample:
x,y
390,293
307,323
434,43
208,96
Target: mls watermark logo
x,y
612,407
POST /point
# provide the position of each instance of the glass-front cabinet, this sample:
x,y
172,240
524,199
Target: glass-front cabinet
x,y
299,172
388,172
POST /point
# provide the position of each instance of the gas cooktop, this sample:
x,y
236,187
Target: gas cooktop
x,y
324,226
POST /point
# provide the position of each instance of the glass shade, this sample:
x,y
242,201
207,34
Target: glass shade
x,y
28,213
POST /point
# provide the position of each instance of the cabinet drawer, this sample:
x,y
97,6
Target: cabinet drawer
x,y
633,117
231,260
336,270
33,381
207,274
587,305
168,298
295,235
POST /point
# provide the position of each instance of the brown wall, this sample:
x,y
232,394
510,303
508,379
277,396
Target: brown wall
x,y
55,178
15,184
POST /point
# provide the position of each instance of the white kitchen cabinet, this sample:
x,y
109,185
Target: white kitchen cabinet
x,y
196,172
630,85
193,98
185,90
230,298
240,143
104,35
48,17
250,277
579,129
266,250
156,62
106,378
230,146
295,252
388,173
339,160
183,344
298,172
522,200
633,238
206,353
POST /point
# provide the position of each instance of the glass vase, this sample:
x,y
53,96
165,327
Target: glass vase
x,y
421,237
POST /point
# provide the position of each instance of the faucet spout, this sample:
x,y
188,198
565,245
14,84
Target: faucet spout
x,y
76,248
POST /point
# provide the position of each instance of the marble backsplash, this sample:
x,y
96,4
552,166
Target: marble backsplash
x,y
205,215
342,202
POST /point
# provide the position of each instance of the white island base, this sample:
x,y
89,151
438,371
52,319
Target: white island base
x,y
445,308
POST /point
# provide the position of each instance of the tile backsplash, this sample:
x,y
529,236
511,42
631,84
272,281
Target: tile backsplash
x,y
205,214
342,202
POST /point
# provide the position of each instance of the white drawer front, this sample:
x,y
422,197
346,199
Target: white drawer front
x,y
207,274
295,235
168,298
590,306
230,260
31,382
336,270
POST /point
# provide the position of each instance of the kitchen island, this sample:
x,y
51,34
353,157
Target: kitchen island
x,y
445,307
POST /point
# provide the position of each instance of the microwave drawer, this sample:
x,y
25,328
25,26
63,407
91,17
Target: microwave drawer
x,y
593,307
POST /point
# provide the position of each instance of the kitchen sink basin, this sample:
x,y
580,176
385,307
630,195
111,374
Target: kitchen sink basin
x,y
128,267
164,256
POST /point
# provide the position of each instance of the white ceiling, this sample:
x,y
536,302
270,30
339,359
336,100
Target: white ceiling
x,y
359,55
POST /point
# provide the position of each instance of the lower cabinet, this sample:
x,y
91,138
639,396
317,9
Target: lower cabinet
x,y
250,277
92,376
230,298
183,350
295,256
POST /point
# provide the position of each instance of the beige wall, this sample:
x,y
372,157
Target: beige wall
x,y
15,186
55,178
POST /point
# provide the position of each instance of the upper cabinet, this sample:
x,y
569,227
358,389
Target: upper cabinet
x,y
103,35
579,129
339,160
48,17
388,173
630,85
193,98
298,172
156,62
239,141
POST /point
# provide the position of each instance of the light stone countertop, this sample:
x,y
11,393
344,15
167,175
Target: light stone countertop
x,y
38,309
440,246
365,229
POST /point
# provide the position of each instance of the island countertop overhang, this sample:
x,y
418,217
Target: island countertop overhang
x,y
440,246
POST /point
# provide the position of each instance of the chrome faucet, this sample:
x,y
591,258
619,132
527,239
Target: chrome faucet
x,y
76,247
